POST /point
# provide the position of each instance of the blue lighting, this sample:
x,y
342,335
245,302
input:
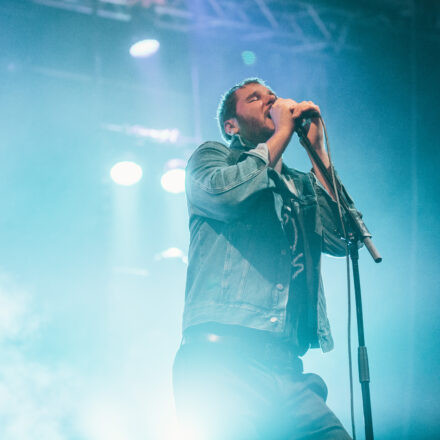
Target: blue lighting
x,y
248,57
144,48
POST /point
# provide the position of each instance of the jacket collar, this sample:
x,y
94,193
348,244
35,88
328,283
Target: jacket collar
x,y
241,144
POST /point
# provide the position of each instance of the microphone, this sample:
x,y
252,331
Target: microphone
x,y
302,124
309,114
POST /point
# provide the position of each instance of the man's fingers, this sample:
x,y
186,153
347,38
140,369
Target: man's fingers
x,y
305,108
281,102
291,102
295,112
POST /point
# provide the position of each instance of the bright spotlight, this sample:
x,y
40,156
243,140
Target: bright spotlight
x,y
173,181
144,48
172,253
126,173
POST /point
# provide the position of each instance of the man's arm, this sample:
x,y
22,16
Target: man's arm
x,y
286,113
281,114
332,235
221,190
333,241
316,138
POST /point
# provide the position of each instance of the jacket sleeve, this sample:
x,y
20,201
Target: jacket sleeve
x,y
333,242
221,189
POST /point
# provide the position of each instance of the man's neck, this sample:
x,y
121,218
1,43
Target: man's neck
x,y
278,165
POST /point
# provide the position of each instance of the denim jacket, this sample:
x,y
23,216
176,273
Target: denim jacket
x,y
239,262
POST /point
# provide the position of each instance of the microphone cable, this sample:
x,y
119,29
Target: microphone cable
x,y
347,261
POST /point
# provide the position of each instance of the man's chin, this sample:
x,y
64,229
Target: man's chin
x,y
266,134
260,133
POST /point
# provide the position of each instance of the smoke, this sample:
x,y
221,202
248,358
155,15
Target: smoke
x,y
51,395
35,397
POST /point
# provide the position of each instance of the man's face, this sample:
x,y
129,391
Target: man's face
x,y
252,109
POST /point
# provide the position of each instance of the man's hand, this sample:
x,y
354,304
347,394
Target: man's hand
x,y
316,137
305,109
281,113
310,110
285,113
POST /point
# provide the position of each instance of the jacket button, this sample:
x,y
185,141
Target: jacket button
x,y
279,286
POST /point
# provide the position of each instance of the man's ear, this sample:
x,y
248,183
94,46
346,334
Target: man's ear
x,y
231,126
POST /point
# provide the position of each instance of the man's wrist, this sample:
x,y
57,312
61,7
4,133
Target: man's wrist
x,y
277,144
282,133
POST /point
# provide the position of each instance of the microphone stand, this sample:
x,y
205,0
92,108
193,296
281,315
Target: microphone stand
x,y
357,231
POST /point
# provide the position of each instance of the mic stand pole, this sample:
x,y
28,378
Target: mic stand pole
x,y
357,232
364,372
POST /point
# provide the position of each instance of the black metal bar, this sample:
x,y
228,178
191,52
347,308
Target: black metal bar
x,y
364,373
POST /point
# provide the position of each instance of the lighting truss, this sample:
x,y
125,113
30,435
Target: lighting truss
x,y
298,26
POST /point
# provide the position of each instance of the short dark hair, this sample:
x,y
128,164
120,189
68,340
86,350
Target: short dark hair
x,y
228,103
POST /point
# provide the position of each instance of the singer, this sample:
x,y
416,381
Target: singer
x,y
254,301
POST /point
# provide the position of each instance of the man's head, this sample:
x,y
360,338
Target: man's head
x,y
245,109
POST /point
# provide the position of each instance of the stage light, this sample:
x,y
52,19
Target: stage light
x,y
172,253
170,135
173,180
248,57
126,173
144,48
213,338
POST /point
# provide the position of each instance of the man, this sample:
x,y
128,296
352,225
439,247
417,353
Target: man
x,y
254,301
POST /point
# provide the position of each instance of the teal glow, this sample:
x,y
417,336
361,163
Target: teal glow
x,y
92,273
248,57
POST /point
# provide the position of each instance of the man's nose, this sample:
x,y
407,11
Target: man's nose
x,y
270,99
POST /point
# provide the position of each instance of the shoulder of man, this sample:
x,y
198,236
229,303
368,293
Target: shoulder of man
x,y
215,148
211,144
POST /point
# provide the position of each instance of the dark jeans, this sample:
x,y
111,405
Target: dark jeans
x,y
230,392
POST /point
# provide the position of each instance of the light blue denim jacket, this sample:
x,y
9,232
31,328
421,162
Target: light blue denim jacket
x,y
239,262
